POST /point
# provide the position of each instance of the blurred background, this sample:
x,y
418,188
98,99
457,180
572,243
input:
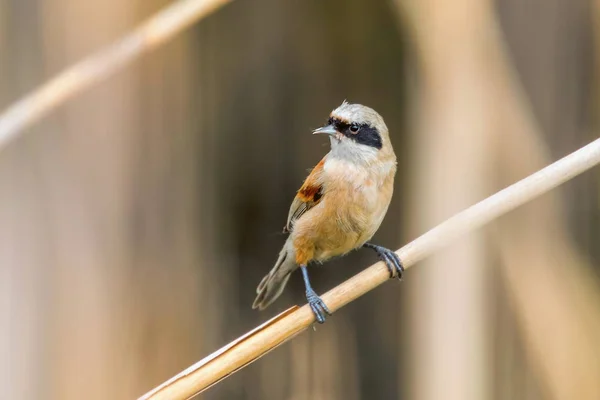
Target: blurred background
x,y
137,219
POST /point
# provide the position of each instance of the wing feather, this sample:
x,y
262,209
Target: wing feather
x,y
308,196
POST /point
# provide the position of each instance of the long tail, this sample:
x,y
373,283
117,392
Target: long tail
x,y
273,283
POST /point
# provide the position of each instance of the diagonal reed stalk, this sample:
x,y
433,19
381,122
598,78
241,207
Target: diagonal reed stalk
x,y
285,326
150,34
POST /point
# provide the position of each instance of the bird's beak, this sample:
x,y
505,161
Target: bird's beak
x,y
329,129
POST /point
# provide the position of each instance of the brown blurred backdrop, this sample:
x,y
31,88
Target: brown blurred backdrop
x,y
137,220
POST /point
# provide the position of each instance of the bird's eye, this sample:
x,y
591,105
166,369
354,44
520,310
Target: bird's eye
x,y
330,121
354,128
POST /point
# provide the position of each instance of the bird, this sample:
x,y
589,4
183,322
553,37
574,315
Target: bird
x,y
340,205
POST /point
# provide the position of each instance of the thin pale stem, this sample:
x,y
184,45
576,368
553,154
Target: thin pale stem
x,y
266,337
156,30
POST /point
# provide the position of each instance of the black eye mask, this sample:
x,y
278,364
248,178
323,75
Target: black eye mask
x,y
366,134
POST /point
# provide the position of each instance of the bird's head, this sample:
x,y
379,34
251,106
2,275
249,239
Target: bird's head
x,y
358,134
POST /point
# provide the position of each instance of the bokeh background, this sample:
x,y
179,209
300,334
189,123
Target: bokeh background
x,y
137,219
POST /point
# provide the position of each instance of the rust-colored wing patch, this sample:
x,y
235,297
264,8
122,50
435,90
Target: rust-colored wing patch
x,y
310,193
307,197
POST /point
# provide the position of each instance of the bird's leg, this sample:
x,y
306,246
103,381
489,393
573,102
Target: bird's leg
x,y
390,258
318,306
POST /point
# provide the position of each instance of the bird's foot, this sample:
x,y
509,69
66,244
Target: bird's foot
x,y
317,305
390,258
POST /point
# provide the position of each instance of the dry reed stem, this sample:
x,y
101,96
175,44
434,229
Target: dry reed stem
x,y
153,32
288,324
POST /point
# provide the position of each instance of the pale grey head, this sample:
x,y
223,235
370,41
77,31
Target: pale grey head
x,y
357,132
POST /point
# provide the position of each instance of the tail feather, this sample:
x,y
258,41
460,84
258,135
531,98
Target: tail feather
x,y
274,282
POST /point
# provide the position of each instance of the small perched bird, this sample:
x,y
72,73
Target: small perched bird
x,y
341,204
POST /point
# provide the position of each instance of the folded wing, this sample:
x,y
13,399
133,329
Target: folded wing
x,y
308,196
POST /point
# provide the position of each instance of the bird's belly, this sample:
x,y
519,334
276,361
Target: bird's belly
x,y
333,231
334,245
